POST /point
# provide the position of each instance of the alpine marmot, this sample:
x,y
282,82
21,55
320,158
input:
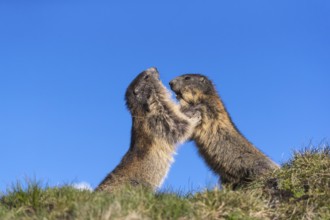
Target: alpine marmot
x,y
226,151
158,126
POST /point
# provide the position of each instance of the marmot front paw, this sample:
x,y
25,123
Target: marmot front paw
x,y
196,118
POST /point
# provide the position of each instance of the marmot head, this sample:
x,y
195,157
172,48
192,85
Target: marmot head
x,y
141,90
192,88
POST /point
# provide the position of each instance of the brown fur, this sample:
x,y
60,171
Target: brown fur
x,y
226,151
158,125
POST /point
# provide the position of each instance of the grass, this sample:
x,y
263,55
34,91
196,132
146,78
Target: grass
x,y
299,190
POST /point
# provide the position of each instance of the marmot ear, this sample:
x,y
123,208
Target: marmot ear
x,y
202,79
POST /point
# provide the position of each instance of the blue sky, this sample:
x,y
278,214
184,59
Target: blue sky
x,y
65,66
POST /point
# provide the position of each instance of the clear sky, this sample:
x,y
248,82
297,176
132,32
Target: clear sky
x,y
65,66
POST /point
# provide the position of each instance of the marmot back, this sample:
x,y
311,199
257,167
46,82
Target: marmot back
x,y
226,151
157,126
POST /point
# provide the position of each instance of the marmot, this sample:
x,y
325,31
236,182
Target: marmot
x,y
226,151
158,126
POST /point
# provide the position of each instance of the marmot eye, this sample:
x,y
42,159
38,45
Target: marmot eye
x,y
187,78
146,77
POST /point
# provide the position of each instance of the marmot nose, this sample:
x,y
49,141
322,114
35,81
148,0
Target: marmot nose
x,y
171,84
152,70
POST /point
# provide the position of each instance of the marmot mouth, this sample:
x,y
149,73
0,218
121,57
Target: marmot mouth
x,y
180,98
178,95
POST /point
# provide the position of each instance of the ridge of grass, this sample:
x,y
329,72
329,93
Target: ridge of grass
x,y
299,190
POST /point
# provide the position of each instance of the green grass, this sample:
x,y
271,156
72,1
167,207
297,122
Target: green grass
x,y
299,190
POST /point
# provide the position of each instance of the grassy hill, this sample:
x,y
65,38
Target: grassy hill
x,y
299,190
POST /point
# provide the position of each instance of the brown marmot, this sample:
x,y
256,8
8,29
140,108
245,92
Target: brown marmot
x,y
226,151
158,126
